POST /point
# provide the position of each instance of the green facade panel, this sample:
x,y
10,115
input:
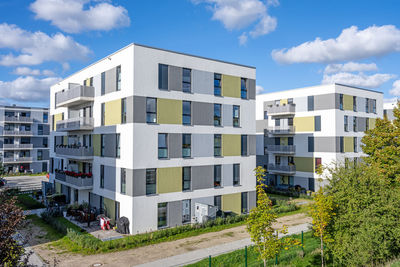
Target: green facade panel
x,y
96,145
347,102
232,202
231,144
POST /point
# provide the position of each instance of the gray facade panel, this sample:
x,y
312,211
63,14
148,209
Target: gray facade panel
x,y
301,103
371,106
337,145
174,213
46,154
139,182
46,129
175,145
202,177
337,101
111,80
110,145
203,113
203,145
174,78
252,144
261,125
139,109
361,104
37,141
227,175
109,178
252,199
94,200
129,109
325,144
361,124
203,82
251,85
227,115
262,160
129,182
322,102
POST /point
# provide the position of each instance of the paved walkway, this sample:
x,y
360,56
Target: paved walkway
x,y
197,255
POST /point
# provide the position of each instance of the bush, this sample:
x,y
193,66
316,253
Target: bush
x,y
284,206
28,203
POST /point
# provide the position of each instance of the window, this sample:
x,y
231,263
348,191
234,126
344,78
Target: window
x,y
217,202
374,106
162,215
318,162
186,112
236,174
40,129
117,146
290,101
290,121
123,110
101,176
186,178
186,210
244,205
244,145
40,155
311,184
290,161
354,124
45,142
217,175
103,144
354,103
290,141
366,124
217,145
243,88
103,111
217,114
186,80
151,179
162,77
151,110
355,145
103,83
341,144
311,144
310,103
277,141
346,123
265,115
317,123
186,145
123,181
45,117
277,160
341,101
162,145
119,78
236,116
217,84
277,122
367,105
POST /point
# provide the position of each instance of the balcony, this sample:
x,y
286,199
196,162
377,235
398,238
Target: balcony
x,y
18,160
17,146
75,152
275,110
16,119
17,133
75,124
281,130
283,169
76,94
75,182
281,149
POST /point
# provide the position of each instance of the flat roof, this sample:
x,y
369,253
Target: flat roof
x,y
22,107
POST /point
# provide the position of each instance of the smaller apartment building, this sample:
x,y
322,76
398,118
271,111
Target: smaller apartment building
x,y
24,144
297,130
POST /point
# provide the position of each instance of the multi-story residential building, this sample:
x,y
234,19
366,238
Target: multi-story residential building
x,y
297,130
24,144
388,110
147,133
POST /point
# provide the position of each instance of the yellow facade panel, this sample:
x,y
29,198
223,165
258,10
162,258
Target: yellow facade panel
x,y
304,124
231,145
232,202
348,144
347,102
96,145
112,112
169,180
57,117
372,122
230,86
169,111
283,102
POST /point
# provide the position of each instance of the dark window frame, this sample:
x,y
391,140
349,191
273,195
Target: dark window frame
x,y
243,88
151,181
123,110
186,180
123,181
162,148
236,117
118,78
217,176
217,117
186,83
186,114
186,146
217,84
236,174
217,148
151,116
163,81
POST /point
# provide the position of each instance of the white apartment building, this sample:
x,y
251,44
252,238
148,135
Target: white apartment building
x,y
297,130
388,110
147,133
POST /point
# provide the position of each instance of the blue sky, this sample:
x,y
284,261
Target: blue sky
x,y
42,41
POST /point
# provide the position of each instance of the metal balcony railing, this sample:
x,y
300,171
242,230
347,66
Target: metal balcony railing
x,y
286,149
74,181
17,146
281,129
17,133
75,94
17,160
75,152
281,168
18,119
75,124
281,109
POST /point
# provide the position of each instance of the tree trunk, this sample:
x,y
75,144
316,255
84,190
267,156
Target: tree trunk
x,y
322,252
265,263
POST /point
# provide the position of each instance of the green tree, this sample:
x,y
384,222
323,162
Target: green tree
x,y
259,224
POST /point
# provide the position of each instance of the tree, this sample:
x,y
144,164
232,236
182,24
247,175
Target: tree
x,y
259,224
321,212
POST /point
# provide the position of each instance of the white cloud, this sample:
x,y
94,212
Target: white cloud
x,y
358,79
350,67
395,88
38,47
25,71
74,16
259,89
351,44
243,39
27,89
266,25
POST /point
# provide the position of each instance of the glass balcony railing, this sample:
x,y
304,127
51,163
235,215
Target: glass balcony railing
x,y
281,129
77,152
75,94
286,169
75,124
284,149
17,146
281,109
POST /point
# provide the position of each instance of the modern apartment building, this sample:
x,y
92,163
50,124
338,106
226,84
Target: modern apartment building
x,y
297,130
24,134
147,133
388,110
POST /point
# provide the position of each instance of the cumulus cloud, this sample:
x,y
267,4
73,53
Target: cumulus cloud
x,y
259,89
358,79
351,44
38,47
27,88
395,88
243,39
74,16
25,71
350,67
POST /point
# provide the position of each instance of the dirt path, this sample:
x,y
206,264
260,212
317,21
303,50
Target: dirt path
x,y
158,251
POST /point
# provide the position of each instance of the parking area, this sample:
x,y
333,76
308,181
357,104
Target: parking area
x,y
25,182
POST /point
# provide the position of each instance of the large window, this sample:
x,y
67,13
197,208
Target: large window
x,y
366,124
101,176
123,181
341,144
151,183
341,101
186,145
186,80
374,106
217,175
217,114
119,78
162,145
103,83
355,145
311,144
354,103
245,208
186,178
236,174
236,116
40,129
354,124
103,144
310,103
186,112
103,111
123,110
346,123
151,110
45,142
367,105
217,202
162,215
243,88
217,145
317,123
45,117
162,77
244,145
186,210
117,146
217,84
40,155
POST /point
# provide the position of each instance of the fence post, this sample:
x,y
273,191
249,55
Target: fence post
x,y
209,261
276,259
245,256
302,242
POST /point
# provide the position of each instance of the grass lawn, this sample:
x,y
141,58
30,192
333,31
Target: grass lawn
x,y
291,257
26,202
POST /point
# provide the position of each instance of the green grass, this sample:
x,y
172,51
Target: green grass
x,y
25,174
26,202
291,257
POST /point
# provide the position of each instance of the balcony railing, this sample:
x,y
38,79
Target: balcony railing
x,y
17,146
18,160
284,149
74,95
78,182
80,152
17,133
18,119
281,129
281,109
281,168
75,124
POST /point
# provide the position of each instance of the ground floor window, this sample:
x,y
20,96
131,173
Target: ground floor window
x,y
245,208
217,202
311,184
162,215
287,180
186,210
